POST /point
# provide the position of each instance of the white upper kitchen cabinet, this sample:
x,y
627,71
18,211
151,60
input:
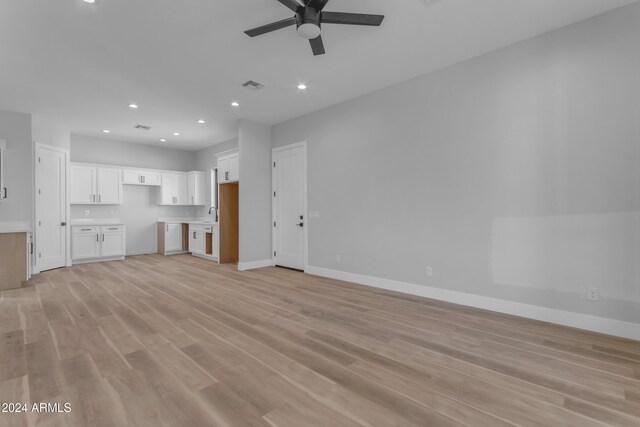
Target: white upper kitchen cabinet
x,y
142,177
95,185
84,184
109,186
196,188
174,189
234,167
228,167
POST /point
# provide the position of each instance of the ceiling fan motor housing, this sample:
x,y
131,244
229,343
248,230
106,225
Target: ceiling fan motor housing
x,y
308,23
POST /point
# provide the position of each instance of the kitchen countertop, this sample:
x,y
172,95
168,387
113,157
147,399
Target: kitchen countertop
x,y
15,227
97,221
204,221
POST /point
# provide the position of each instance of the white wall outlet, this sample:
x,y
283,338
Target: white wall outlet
x,y
314,214
338,258
87,212
429,271
592,294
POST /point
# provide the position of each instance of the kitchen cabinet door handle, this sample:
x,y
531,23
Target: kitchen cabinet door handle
x,y
144,180
226,176
167,227
93,198
5,193
97,238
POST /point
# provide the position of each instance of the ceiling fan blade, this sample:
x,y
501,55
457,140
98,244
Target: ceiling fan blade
x,y
317,46
351,18
271,27
317,4
291,4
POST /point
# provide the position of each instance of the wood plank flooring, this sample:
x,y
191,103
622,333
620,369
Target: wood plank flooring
x,y
180,341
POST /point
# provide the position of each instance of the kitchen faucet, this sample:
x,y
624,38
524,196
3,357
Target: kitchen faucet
x,y
216,209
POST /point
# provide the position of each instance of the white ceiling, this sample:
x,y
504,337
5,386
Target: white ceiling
x,y
183,60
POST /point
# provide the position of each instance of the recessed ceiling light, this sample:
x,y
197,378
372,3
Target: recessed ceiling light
x,y
201,121
89,1
302,86
176,134
134,106
106,131
235,104
163,140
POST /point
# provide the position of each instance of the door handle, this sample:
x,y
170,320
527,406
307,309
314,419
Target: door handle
x,y
301,224
5,193
226,176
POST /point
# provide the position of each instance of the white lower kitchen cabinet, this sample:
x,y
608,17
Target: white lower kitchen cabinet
x,y
196,239
96,243
170,238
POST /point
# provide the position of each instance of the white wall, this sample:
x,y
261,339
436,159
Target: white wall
x,y
206,160
123,153
47,131
140,210
15,128
515,175
254,141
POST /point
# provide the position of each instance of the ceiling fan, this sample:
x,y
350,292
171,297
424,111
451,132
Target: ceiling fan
x,y
308,19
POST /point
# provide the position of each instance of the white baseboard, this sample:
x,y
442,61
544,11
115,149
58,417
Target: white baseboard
x,y
252,265
567,318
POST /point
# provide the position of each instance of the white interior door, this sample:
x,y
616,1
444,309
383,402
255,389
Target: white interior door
x,y
51,208
289,186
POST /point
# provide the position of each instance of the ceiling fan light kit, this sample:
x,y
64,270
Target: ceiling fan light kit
x,y
309,18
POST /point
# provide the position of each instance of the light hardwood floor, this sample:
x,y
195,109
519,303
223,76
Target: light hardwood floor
x,y
180,341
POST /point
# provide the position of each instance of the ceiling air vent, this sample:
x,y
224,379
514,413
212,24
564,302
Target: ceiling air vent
x,y
252,85
143,127
428,3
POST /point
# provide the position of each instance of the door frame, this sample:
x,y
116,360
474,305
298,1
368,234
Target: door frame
x,y
37,146
303,145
